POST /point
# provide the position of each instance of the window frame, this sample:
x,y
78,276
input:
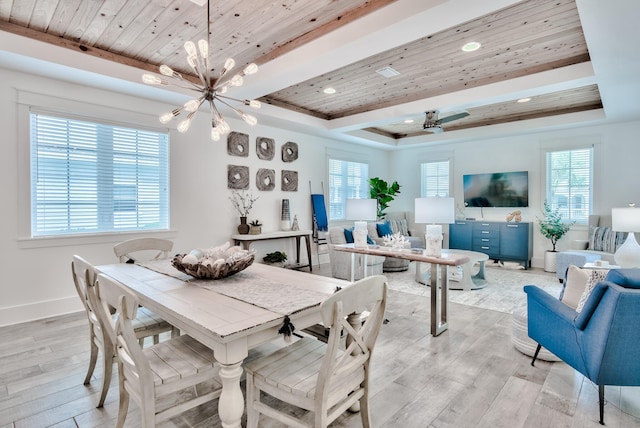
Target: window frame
x,y
364,194
109,114
553,201
424,191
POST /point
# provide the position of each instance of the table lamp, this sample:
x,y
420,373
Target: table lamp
x,y
361,210
434,210
627,220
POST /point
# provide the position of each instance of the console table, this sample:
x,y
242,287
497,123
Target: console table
x,y
246,240
500,240
439,280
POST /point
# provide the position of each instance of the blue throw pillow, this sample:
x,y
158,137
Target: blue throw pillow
x,y
384,229
348,235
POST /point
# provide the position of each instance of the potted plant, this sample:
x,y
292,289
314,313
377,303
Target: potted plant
x,y
553,228
384,193
256,227
243,202
275,257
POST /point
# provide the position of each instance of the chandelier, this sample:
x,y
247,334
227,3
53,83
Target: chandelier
x,y
210,90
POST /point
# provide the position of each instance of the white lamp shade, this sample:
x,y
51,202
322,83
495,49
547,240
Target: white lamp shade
x,y
361,209
435,210
625,219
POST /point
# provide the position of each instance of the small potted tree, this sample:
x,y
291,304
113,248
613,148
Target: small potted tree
x,y
553,228
384,193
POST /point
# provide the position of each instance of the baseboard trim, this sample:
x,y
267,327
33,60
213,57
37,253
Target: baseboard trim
x,y
38,310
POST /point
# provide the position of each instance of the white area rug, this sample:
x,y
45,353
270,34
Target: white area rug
x,y
503,292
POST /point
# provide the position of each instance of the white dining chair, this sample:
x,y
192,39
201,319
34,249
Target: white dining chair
x,y
131,250
151,375
324,379
147,324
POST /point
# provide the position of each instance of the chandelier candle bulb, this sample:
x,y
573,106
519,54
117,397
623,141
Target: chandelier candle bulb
x,y
210,88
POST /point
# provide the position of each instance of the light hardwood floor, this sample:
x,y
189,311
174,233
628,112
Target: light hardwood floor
x,y
470,376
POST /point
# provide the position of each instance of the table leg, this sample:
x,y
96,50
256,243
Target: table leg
x,y
298,250
353,267
231,402
439,303
355,320
307,239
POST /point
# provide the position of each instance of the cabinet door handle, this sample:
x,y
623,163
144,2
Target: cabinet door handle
x,y
485,240
486,232
485,248
512,225
460,222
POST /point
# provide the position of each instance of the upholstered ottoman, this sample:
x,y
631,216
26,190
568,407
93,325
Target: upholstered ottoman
x,y
577,258
521,340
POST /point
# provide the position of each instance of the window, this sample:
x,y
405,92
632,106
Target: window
x,y
347,180
434,177
569,183
93,177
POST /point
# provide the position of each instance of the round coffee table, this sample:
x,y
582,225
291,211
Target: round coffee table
x,y
467,280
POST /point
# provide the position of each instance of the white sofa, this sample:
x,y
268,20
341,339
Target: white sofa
x,y
601,244
341,261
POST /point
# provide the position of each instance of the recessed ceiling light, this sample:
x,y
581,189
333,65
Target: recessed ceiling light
x,y
409,121
387,72
471,46
524,100
329,91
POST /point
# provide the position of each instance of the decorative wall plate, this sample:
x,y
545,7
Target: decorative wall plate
x,y
237,177
289,151
238,144
266,179
265,148
289,181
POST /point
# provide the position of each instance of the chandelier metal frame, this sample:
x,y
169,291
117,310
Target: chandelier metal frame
x,y
210,90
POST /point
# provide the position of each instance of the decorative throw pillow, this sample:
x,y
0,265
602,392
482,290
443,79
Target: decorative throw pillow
x,y
384,229
575,285
348,235
399,226
605,239
595,276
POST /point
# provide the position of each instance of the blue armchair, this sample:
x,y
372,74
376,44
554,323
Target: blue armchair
x,y
603,340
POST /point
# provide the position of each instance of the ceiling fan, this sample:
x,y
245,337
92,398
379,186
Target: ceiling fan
x,y
433,124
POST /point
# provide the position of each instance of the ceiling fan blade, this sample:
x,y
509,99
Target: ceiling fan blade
x,y
453,117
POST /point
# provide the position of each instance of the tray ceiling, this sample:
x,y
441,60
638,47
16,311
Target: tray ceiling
x,y
522,39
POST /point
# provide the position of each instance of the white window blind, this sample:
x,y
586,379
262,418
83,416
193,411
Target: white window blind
x,y
434,177
570,183
93,177
347,180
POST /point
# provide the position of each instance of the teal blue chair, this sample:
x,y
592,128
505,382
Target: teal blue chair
x,y
603,340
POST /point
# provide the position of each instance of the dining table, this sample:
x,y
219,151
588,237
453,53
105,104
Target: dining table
x,y
231,315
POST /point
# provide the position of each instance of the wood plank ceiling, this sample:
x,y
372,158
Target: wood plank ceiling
x,y
530,37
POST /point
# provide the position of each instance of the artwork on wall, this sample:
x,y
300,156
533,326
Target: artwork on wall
x,y
266,179
265,148
289,152
289,181
237,177
238,144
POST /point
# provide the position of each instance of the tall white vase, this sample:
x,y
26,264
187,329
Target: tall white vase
x,y
550,261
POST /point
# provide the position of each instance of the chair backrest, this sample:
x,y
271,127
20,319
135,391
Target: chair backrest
x,y
84,275
610,329
158,247
136,371
368,294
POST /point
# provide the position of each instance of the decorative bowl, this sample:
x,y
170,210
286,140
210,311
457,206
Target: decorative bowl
x,y
215,269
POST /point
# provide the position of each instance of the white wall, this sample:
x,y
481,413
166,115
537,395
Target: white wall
x,y
616,174
36,280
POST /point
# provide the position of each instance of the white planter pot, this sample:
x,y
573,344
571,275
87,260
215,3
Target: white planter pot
x,y
550,258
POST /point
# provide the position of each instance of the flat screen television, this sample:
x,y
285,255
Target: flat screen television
x,y
500,189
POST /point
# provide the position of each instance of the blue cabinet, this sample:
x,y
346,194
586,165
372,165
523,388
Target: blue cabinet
x,y
501,241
